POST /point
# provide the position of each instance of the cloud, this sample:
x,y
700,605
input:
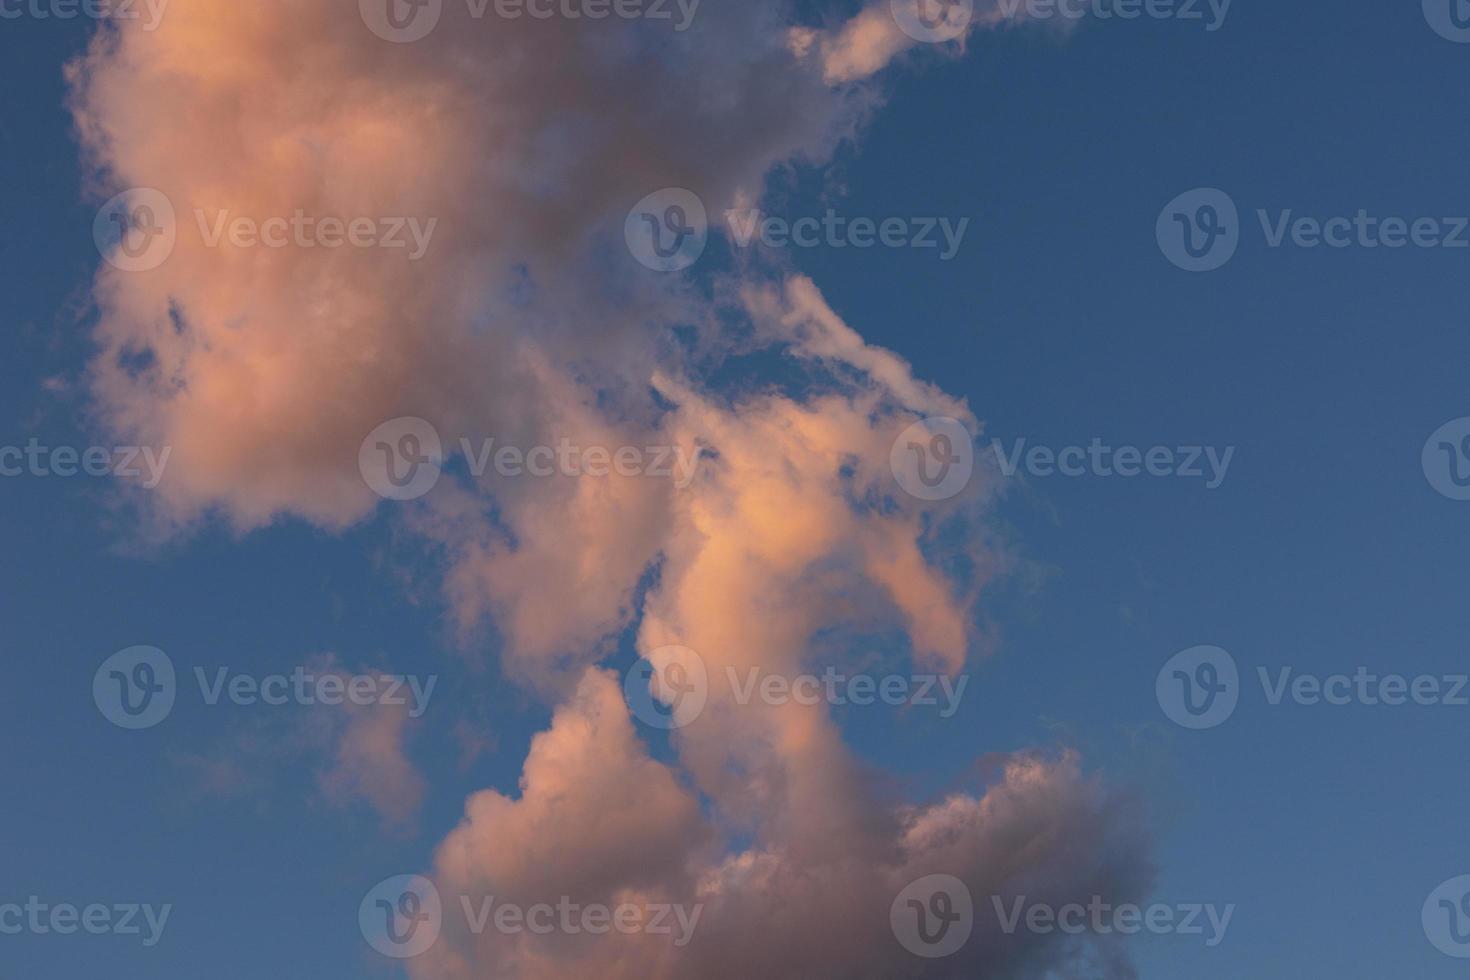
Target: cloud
x,y
869,42
600,822
265,367
526,320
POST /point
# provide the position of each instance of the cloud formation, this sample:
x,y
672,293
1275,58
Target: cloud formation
x,y
527,142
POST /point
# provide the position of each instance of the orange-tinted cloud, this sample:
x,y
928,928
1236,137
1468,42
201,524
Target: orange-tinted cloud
x,y
526,320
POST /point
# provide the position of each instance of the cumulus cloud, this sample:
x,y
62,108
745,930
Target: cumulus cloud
x,y
525,319
604,824
526,142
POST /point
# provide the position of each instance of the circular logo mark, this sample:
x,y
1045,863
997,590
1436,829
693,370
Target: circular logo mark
x,y
668,688
933,459
401,459
933,21
1446,459
135,688
1199,688
401,916
1199,230
668,230
135,231
1449,18
401,21
1446,917
933,916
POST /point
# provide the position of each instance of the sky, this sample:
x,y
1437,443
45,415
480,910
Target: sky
x,y
896,461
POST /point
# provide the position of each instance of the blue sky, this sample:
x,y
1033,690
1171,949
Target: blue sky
x,y
1324,549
